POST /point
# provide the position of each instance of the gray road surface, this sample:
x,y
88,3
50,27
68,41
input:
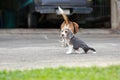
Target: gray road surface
x,y
26,49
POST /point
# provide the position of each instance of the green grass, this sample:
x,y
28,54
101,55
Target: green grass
x,y
63,73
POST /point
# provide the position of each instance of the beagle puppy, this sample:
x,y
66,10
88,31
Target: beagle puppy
x,y
75,44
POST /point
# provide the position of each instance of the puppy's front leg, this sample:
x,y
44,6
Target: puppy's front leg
x,y
70,49
64,42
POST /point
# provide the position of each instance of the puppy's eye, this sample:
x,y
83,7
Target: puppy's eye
x,y
65,31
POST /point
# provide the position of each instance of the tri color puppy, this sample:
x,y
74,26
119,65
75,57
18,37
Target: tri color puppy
x,y
76,44
67,24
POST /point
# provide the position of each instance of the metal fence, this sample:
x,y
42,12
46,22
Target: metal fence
x,y
100,15
101,7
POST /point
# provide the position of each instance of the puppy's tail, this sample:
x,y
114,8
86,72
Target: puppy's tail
x,y
94,51
63,14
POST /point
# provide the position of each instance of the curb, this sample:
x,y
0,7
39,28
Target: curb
x,y
42,31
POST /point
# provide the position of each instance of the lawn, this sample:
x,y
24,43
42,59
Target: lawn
x,y
63,73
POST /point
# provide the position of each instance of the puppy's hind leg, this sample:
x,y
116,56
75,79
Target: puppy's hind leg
x,y
79,51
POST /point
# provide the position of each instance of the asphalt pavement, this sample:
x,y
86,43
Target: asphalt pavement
x,y
40,48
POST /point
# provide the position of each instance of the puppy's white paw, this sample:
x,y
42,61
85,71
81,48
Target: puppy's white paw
x,y
68,52
94,52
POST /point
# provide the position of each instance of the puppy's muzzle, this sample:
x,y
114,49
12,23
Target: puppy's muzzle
x,y
62,35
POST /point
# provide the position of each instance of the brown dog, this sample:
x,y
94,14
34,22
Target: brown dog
x,y
73,26
67,24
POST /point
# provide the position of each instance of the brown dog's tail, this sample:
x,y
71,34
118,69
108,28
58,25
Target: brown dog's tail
x,y
63,14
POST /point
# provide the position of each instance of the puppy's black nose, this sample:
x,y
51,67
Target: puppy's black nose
x,y
62,35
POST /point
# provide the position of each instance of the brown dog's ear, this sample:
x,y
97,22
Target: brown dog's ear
x,y
76,27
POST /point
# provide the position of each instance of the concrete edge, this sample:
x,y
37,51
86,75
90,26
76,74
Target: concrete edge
x,y
42,31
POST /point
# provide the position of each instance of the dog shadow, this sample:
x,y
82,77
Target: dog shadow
x,y
83,53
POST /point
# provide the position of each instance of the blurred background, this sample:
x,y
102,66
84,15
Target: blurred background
x,y
43,13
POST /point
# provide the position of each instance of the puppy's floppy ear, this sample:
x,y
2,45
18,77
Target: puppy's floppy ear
x,y
70,34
